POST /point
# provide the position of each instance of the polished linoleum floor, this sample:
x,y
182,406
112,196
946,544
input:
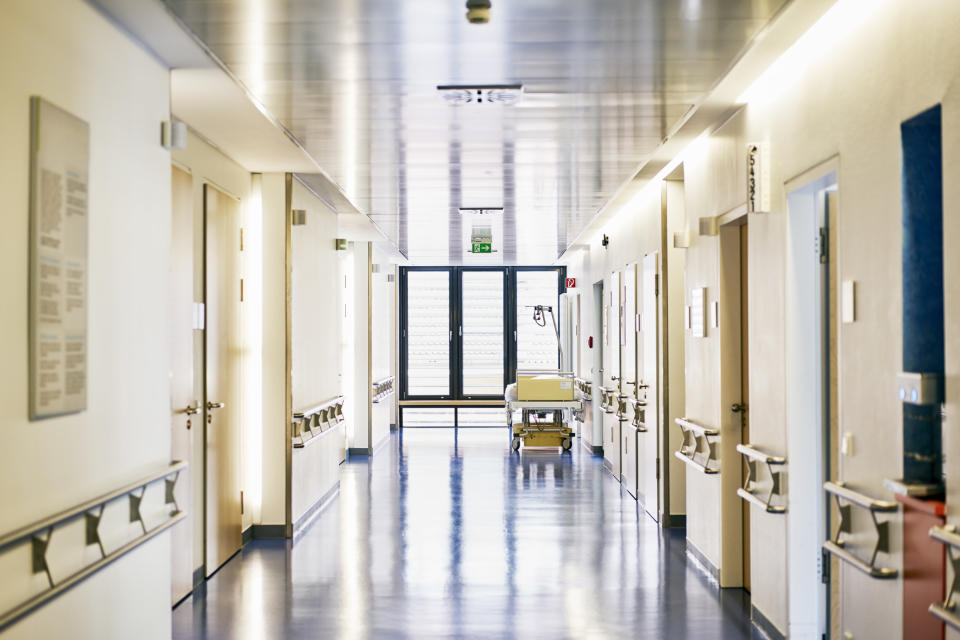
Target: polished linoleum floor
x,y
447,534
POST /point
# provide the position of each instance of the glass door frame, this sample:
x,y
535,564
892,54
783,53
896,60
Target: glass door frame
x,y
458,330
455,324
404,345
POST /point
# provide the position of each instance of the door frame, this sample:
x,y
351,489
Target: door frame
x,y
808,276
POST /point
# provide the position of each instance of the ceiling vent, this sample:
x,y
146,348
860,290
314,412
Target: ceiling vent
x,y
457,94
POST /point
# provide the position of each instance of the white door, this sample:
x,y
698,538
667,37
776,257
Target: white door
x,y
611,373
628,371
648,449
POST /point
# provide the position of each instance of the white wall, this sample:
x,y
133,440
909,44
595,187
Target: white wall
x,y
69,54
383,331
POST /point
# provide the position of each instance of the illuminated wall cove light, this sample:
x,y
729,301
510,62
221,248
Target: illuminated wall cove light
x,y
504,94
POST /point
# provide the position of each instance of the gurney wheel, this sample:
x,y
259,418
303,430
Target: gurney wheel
x,y
516,444
566,444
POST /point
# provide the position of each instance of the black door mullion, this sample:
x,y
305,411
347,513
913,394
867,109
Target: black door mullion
x,y
456,344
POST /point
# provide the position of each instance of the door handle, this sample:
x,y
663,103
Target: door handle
x,y
190,410
214,405
738,407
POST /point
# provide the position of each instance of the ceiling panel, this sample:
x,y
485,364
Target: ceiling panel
x,y
355,82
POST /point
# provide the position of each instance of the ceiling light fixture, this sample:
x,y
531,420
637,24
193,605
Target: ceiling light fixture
x,y
458,94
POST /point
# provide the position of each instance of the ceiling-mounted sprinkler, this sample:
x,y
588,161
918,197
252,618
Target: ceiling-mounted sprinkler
x,y
478,11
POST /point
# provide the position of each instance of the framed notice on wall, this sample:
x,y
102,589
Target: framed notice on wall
x,y
59,166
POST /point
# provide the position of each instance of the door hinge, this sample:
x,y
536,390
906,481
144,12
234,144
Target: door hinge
x,y
658,468
241,238
241,289
824,567
241,503
822,248
656,284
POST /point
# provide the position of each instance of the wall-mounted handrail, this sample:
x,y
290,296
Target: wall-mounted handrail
x,y
316,408
382,388
843,493
748,492
699,466
42,525
312,421
697,428
639,415
751,452
585,387
868,568
946,610
843,490
93,511
698,440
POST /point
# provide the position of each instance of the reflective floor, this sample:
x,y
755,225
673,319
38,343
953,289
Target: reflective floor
x,y
445,534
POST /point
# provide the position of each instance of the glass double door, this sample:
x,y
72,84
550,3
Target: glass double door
x,y
465,331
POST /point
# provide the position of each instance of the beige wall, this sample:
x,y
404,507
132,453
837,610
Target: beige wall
x,y
275,442
69,54
315,303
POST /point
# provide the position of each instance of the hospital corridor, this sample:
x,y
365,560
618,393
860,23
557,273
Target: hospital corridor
x,y
470,319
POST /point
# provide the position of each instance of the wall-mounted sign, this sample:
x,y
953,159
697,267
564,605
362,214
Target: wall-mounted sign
x,y
758,177
481,239
481,247
59,173
571,283
698,312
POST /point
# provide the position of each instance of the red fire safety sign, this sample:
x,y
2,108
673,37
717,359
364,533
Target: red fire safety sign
x,y
571,283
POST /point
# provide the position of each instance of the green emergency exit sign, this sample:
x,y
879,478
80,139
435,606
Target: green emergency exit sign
x,y
480,247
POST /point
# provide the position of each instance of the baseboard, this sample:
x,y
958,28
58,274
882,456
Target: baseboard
x,y
673,521
265,532
359,452
763,624
393,426
246,536
593,449
304,521
703,563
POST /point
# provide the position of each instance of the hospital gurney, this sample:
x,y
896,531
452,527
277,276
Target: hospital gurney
x,y
547,395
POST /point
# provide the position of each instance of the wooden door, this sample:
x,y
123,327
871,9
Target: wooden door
x,y
745,394
183,402
649,442
222,291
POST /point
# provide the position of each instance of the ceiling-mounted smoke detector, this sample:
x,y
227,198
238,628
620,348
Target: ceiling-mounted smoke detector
x,y
478,11
457,94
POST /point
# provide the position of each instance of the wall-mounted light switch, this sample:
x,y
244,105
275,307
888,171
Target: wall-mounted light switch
x,y
846,444
848,304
